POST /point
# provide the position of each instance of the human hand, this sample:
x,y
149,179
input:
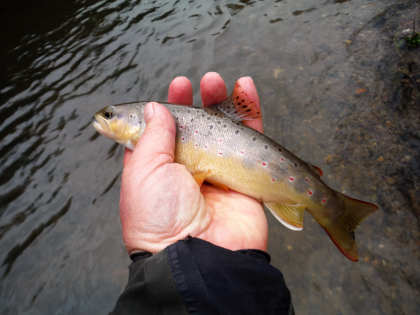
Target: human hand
x,y
161,203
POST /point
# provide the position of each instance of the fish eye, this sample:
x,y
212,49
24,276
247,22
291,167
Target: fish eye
x,y
108,115
132,116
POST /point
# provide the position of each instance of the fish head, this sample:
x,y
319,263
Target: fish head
x,y
121,123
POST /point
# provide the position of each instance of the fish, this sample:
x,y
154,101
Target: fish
x,y
216,147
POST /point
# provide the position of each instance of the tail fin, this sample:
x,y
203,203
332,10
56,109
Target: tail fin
x,y
341,231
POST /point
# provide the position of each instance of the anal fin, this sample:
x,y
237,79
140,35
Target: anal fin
x,y
290,215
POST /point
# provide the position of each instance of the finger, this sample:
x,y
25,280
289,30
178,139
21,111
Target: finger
x,y
246,84
127,156
180,91
156,145
213,89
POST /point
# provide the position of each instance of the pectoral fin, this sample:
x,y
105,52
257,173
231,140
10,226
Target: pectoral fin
x,y
291,216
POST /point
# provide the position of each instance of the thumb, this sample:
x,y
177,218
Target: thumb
x,y
156,145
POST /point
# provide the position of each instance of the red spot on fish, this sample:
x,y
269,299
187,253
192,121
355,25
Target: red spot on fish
x,y
291,179
220,140
181,126
310,192
182,139
196,145
196,132
220,153
282,159
241,152
324,200
264,164
273,179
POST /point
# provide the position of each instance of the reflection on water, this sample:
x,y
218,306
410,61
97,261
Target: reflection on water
x,y
338,88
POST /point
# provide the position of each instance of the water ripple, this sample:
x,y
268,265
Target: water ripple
x,y
16,251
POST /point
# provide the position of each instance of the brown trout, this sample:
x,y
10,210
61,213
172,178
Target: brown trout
x,y
214,142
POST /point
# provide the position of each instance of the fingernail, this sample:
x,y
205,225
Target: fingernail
x,y
246,80
149,111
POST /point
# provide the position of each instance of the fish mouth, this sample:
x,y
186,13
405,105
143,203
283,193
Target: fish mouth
x,y
102,125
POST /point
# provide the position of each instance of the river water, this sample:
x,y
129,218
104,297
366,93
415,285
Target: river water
x,y
338,87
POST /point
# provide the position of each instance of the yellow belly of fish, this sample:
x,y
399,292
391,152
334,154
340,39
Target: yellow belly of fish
x,y
230,172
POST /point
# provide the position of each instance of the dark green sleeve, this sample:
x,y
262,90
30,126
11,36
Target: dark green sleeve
x,y
150,289
196,277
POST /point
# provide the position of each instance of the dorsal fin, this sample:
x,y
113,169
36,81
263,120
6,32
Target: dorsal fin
x,y
239,106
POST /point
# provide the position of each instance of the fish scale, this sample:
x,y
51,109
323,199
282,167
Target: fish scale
x,y
214,142
227,139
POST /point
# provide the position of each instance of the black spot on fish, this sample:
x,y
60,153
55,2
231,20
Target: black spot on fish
x,y
253,138
211,126
279,149
237,131
208,117
266,147
192,119
243,100
248,110
237,97
244,106
224,126
295,164
219,122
